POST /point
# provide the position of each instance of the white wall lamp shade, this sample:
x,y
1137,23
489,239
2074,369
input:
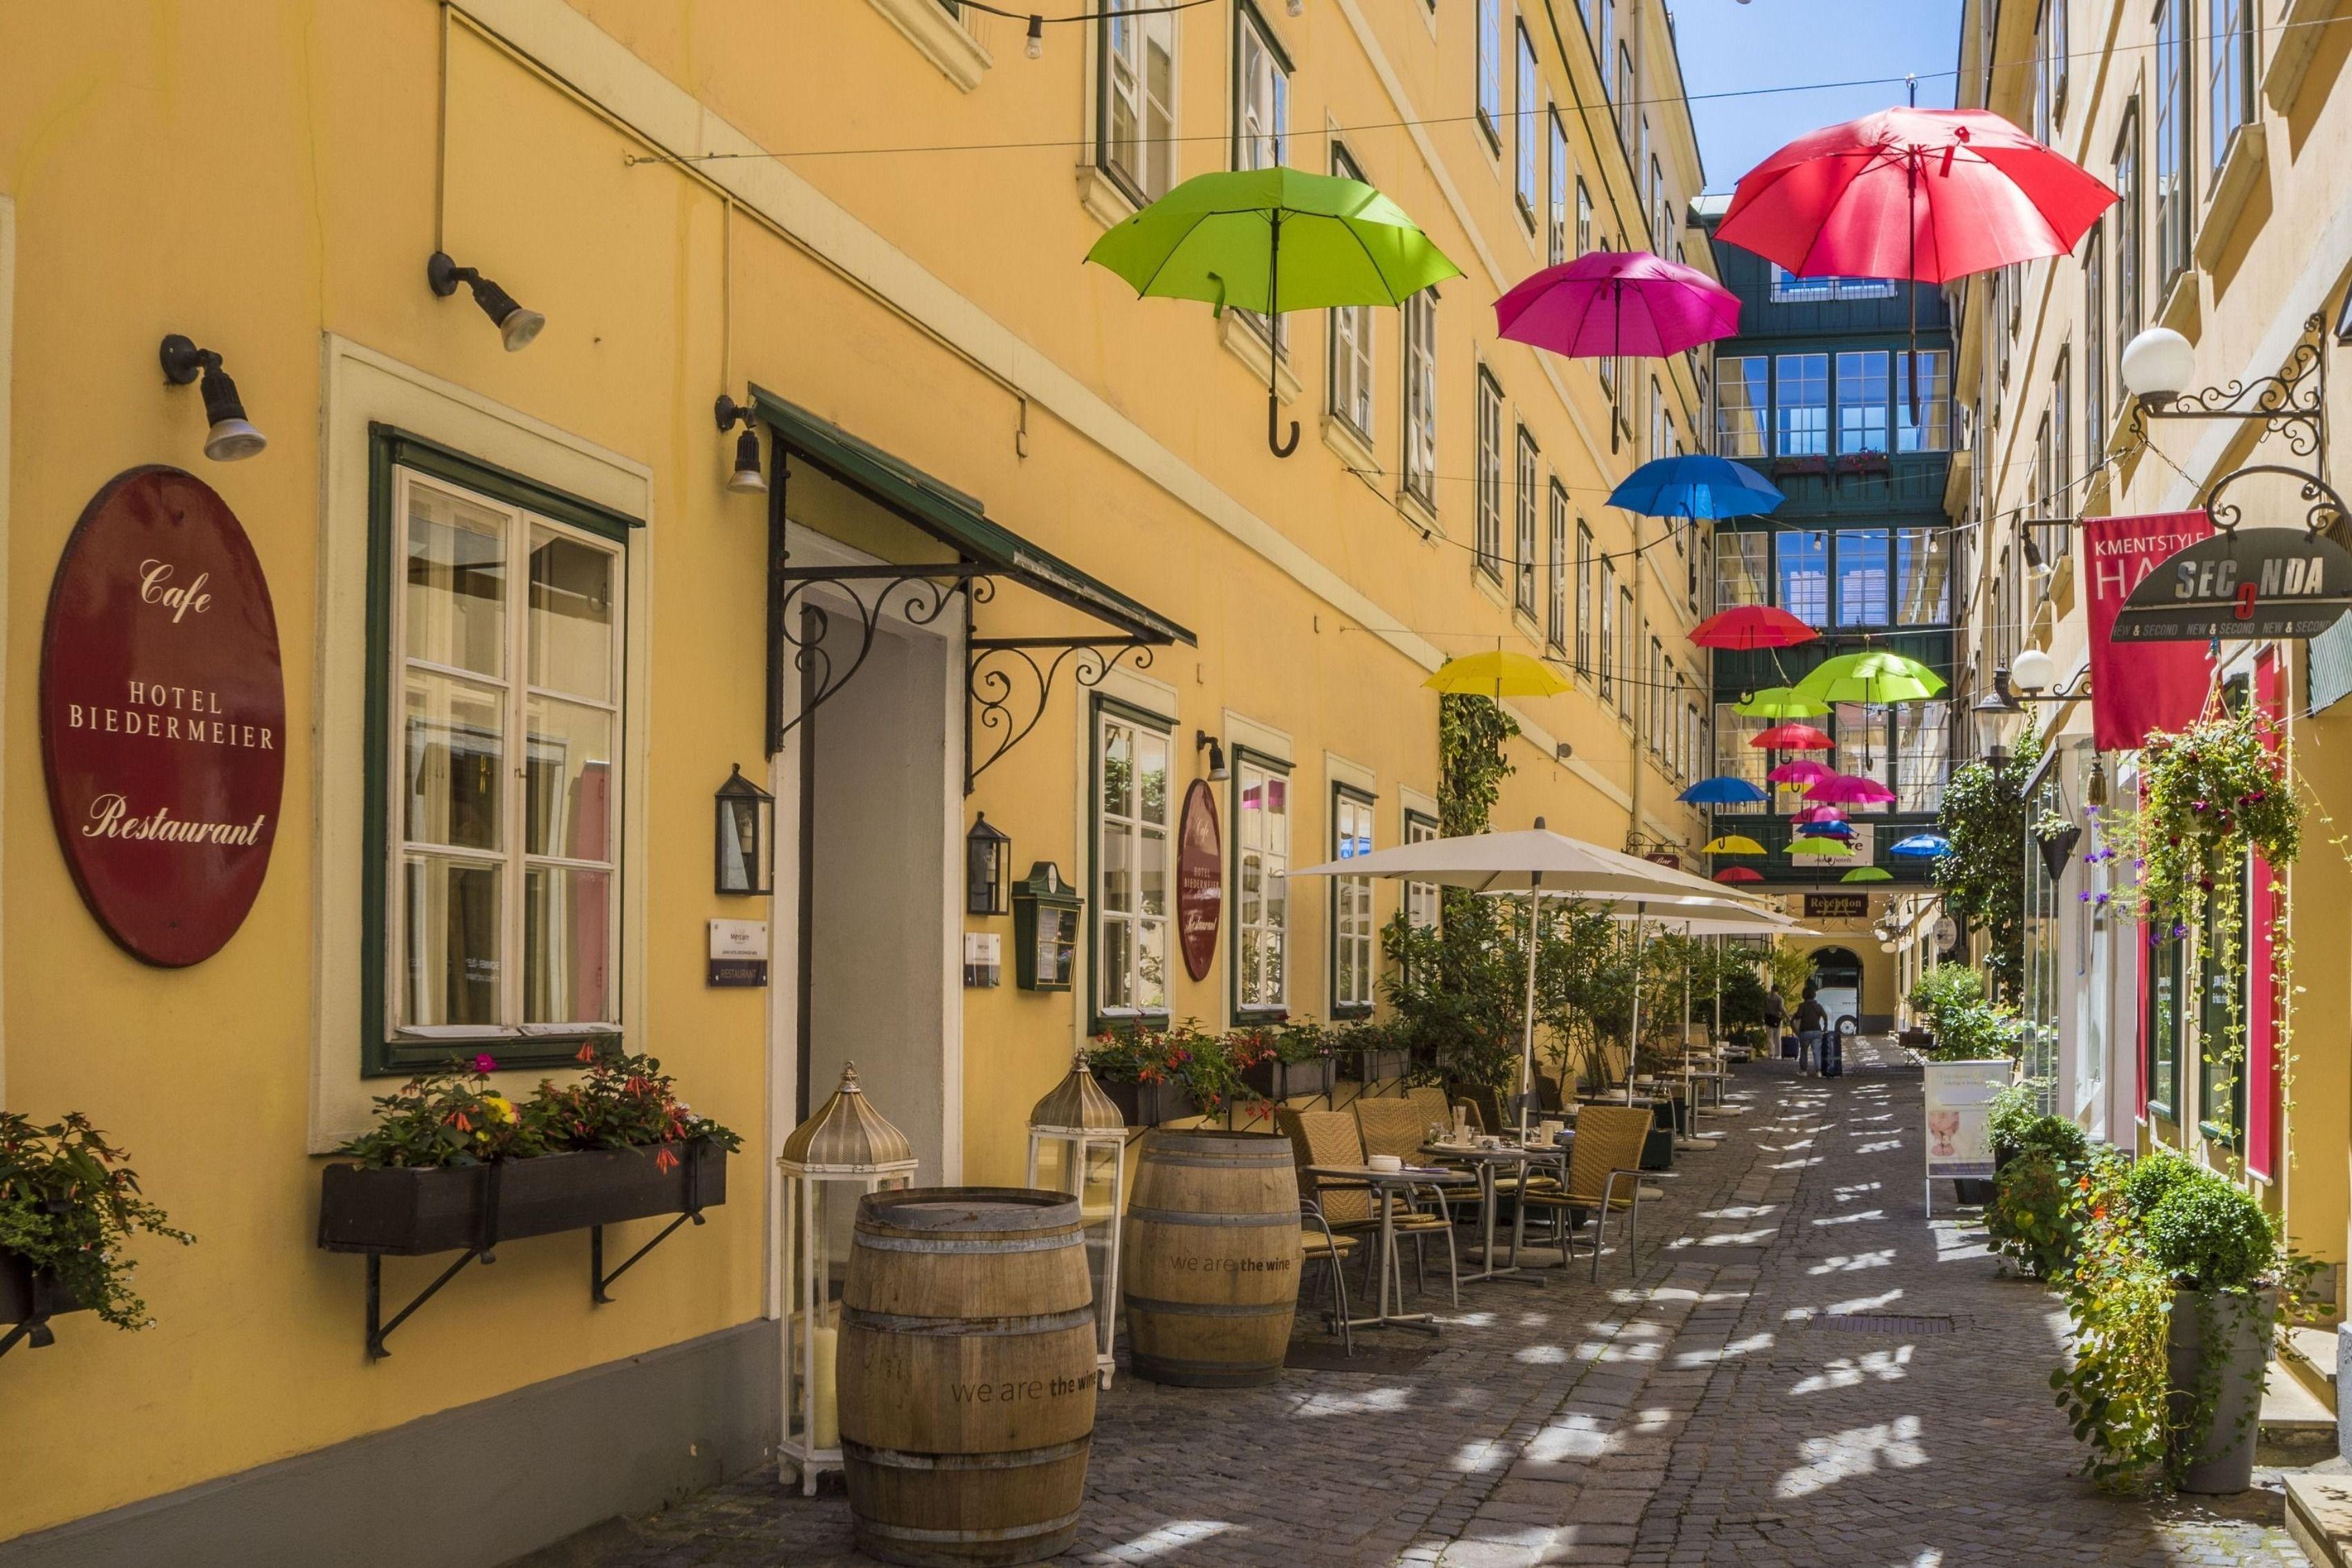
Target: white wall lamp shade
x,y
2158,363
2034,671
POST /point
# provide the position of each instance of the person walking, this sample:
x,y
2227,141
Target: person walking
x,y
1776,1017
1811,1019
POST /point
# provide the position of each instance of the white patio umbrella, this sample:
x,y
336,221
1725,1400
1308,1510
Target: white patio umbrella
x,y
1535,861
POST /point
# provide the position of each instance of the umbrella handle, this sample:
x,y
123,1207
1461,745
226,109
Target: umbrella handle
x,y
1274,423
1273,346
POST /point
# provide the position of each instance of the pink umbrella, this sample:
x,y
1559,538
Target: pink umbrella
x,y
1803,771
1805,814
1611,302
1850,790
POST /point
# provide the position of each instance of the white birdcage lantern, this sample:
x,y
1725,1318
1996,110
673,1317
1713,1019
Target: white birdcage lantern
x,y
1078,1144
833,1159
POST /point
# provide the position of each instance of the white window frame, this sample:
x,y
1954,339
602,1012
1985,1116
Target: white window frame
x,y
1354,925
1420,400
1149,930
1523,531
1556,239
1584,622
1556,582
1261,92
1122,78
513,859
1351,343
1525,175
1489,66
1486,555
1271,864
1422,901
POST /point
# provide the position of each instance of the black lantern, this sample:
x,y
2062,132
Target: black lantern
x,y
747,825
987,868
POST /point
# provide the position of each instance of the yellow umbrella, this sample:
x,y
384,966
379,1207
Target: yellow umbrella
x,y
1498,674
1732,844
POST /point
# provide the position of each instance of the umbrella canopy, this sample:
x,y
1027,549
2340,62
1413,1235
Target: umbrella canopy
x,y
1868,874
1820,813
1518,862
1849,789
1751,626
1793,737
1606,303
1803,771
1921,846
1826,830
1775,702
1721,790
1739,874
1731,844
1930,194
1821,849
1873,675
1273,240
1498,674
1699,485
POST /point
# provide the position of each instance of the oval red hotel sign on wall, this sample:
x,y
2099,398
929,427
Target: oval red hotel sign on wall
x,y
1200,878
163,714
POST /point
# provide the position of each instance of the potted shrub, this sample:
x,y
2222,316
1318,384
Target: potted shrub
x,y
69,1207
2174,1299
452,1166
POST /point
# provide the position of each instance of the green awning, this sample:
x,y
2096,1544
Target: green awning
x,y
955,518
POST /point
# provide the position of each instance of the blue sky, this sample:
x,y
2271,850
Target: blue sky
x,y
1727,46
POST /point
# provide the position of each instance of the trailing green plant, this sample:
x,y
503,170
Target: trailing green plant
x,y
453,1118
1471,732
2035,1219
1968,1025
1982,874
69,1206
1207,1066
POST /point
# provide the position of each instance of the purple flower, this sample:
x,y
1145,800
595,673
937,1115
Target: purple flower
x,y
486,1063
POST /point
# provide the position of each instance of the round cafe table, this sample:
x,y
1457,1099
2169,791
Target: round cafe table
x,y
1488,1162
1388,1184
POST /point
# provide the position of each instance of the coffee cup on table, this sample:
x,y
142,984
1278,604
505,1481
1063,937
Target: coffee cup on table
x,y
1384,1163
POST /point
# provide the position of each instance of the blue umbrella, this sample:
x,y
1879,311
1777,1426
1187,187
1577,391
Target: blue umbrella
x,y
1826,830
1697,486
1922,846
1724,790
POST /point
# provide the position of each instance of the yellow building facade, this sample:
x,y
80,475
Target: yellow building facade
x,y
986,464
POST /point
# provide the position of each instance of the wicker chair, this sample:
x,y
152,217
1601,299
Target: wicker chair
x,y
1429,1104
1333,1138
1398,1127
1604,1176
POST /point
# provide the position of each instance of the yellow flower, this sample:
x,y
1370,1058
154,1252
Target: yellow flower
x,y
501,1107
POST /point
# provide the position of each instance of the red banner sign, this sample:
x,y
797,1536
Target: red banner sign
x,y
2151,686
1200,878
162,716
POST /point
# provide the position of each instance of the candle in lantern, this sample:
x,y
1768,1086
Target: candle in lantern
x,y
825,1421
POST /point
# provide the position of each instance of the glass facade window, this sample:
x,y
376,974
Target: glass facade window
x,y
1862,577
2173,209
1261,885
1802,563
1923,576
1529,129
1133,867
1803,394
1743,567
1931,430
1862,400
2229,50
1737,757
1352,923
1861,744
1743,405
1922,754
1136,141
1788,288
1490,71
1523,532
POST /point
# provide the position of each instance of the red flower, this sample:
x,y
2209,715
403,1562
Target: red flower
x,y
663,1160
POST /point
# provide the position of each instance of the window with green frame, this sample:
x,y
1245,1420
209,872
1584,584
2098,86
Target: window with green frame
x,y
1353,940
1261,896
2164,1030
495,781
1133,863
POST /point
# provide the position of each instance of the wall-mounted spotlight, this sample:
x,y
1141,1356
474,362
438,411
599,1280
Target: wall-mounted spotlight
x,y
231,437
1218,772
517,327
746,480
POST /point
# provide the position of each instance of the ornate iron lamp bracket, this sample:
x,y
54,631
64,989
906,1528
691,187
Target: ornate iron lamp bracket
x,y
2328,510
1009,681
806,620
2292,403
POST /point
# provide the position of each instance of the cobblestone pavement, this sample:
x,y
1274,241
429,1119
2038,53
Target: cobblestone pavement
x,y
1699,1412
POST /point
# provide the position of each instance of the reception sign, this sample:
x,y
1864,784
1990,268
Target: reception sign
x,y
1200,878
1958,1103
162,716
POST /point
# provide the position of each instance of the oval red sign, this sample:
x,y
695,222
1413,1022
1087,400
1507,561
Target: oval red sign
x,y
163,714
1200,878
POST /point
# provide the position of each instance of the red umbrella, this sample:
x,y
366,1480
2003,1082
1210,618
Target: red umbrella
x,y
1929,194
1804,771
1611,302
1751,626
1793,737
1739,874
1849,789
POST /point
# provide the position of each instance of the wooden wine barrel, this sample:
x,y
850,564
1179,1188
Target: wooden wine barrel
x,y
1210,1263
967,1374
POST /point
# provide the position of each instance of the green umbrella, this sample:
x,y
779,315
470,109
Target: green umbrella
x,y
1224,239
1873,675
1779,704
1868,874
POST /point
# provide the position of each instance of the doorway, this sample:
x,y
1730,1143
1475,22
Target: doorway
x,y
1837,980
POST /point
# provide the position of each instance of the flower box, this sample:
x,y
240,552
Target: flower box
x,y
1375,1066
1277,1079
1148,1105
25,1295
450,1209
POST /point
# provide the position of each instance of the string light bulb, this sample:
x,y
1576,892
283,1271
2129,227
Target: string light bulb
x,y
1035,47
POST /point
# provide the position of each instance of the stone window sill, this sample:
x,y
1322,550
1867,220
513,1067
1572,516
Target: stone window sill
x,y
1354,449
2298,36
1419,512
2241,172
940,38
1245,343
2180,309
1103,198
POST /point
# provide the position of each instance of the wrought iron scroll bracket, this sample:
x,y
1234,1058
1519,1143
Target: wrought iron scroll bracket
x,y
2327,508
1009,681
2292,404
806,620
